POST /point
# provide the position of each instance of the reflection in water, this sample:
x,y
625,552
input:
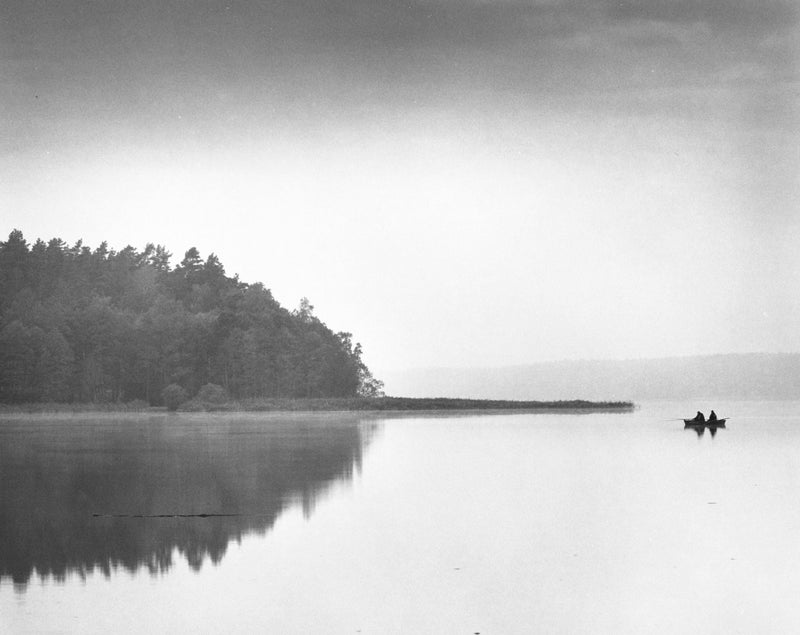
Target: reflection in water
x,y
102,493
700,428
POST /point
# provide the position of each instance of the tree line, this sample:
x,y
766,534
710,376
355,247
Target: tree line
x,y
98,325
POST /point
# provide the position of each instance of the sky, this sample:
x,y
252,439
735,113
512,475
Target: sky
x,y
460,183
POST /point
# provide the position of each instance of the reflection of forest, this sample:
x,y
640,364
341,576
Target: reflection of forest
x,y
57,476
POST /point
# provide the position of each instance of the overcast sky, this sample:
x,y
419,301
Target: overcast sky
x,y
457,182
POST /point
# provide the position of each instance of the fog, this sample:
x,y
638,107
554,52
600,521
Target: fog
x,y
461,184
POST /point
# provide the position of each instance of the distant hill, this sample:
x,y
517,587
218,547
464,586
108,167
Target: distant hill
x,y
746,376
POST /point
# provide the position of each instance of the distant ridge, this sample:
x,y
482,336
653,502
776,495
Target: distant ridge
x,y
731,376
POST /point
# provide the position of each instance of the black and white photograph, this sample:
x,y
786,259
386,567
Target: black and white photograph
x,y
447,317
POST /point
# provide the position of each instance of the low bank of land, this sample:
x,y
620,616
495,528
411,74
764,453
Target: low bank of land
x,y
349,404
409,403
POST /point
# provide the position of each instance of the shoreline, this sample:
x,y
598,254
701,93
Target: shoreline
x,y
355,404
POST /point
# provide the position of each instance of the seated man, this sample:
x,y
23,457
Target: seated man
x,y
700,416
712,416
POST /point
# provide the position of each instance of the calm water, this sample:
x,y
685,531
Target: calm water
x,y
607,523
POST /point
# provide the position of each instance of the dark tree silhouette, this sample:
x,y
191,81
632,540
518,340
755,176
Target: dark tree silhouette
x,y
83,325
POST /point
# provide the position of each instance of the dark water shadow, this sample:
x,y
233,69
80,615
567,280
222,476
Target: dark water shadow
x,y
701,428
79,495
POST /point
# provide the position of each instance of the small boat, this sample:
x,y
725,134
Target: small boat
x,y
713,423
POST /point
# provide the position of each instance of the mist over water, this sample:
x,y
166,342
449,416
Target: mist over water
x,y
459,185
517,523
720,377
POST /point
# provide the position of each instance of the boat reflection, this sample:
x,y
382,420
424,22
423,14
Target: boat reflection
x,y
102,493
701,427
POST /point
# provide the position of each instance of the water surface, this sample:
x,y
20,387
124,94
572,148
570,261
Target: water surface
x,y
511,523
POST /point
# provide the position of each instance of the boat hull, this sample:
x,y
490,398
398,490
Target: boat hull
x,y
718,423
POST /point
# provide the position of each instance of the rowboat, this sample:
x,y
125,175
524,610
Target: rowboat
x,y
714,423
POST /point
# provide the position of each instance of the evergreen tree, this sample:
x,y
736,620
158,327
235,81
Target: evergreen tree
x,y
78,324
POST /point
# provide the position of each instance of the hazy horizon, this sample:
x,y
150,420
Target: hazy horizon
x,y
753,376
543,362
459,184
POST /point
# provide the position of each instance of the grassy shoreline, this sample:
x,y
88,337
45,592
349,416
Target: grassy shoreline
x,y
351,404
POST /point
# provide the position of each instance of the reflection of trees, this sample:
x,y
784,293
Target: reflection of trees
x,y
57,476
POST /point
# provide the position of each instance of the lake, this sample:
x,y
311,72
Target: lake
x,y
341,523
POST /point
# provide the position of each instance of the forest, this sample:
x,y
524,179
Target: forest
x,y
80,325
